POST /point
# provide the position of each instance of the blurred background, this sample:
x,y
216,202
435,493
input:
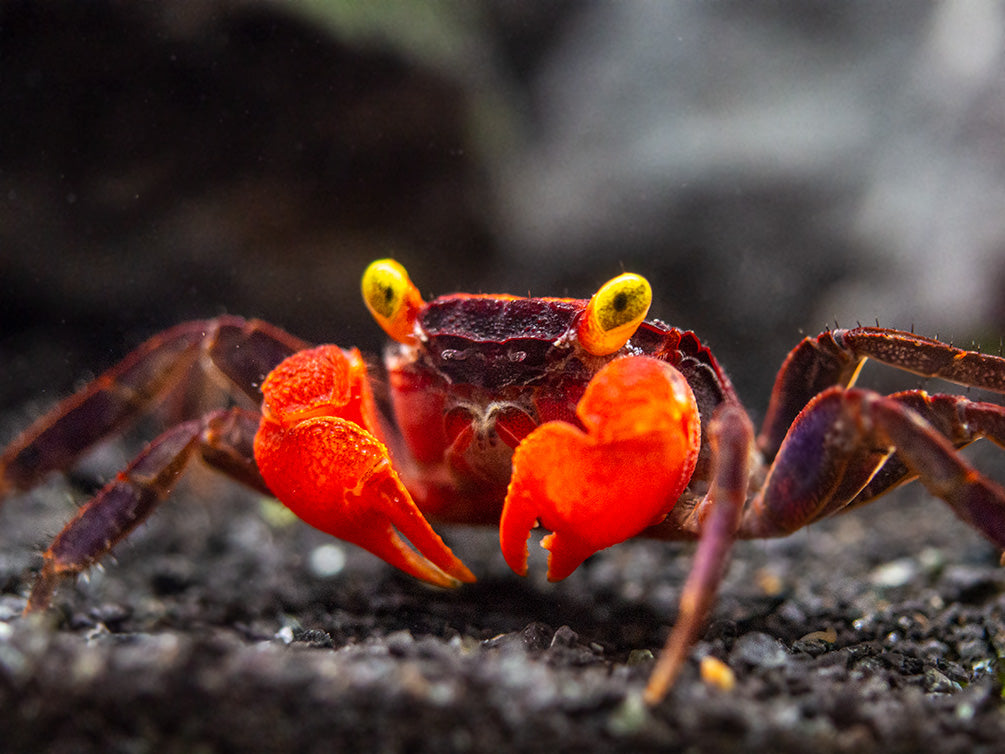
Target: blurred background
x,y
773,168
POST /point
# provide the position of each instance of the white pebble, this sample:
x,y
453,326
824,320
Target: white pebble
x,y
326,560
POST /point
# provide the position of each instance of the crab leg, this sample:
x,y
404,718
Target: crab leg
x,y
243,350
835,447
958,419
828,462
835,357
223,439
732,436
319,451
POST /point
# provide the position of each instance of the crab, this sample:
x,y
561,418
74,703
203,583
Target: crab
x,y
578,415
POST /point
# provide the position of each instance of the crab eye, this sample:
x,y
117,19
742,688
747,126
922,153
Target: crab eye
x,y
392,298
614,313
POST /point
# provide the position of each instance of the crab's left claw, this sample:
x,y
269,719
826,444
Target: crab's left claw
x,y
597,488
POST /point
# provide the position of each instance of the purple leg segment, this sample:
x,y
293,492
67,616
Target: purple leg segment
x,y
836,452
732,437
243,350
223,438
834,358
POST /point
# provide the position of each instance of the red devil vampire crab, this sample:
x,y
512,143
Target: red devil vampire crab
x,y
580,415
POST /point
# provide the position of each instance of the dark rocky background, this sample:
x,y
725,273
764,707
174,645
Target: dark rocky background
x,y
770,168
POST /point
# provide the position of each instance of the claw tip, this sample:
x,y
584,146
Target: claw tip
x,y
566,554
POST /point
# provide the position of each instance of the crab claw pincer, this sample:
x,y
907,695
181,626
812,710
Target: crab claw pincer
x,y
318,451
597,488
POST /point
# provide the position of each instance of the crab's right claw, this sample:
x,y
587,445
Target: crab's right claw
x,y
317,454
338,478
597,488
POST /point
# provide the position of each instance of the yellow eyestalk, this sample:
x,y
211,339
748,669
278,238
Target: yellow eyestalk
x,y
392,299
615,313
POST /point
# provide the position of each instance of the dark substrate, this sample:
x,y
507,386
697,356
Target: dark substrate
x,y
222,626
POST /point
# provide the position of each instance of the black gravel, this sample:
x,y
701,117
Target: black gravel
x,y
221,626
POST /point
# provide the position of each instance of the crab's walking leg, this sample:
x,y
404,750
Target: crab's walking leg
x,y
245,351
958,419
224,440
731,435
835,452
319,451
834,358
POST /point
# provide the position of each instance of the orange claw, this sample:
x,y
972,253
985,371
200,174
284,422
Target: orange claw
x,y
317,451
597,488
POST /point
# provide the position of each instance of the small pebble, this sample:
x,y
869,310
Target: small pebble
x,y
717,674
759,650
326,560
629,717
895,573
639,657
939,683
829,636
